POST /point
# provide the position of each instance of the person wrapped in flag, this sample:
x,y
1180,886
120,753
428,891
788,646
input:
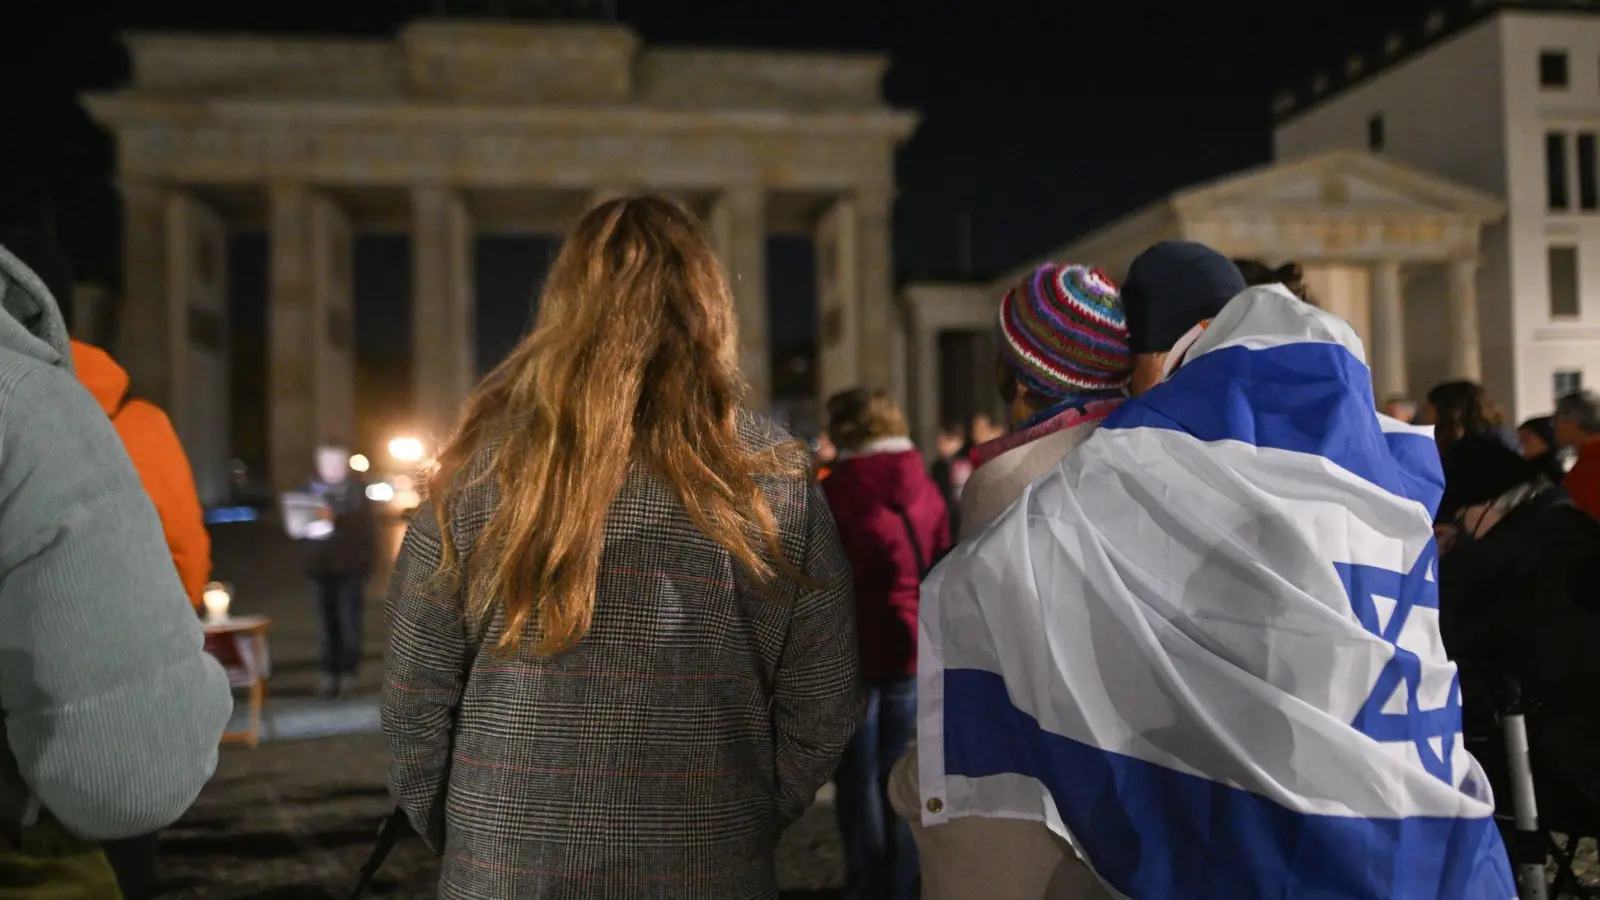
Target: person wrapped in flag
x,y
1205,651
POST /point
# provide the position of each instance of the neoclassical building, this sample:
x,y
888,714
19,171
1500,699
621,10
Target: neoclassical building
x,y
1360,224
450,130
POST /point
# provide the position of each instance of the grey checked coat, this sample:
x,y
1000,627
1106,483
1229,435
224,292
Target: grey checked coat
x,y
664,754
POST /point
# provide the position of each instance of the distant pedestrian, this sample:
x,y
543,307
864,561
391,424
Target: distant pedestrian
x,y
823,454
894,525
339,562
951,469
982,429
1400,409
1540,447
1457,410
622,653
163,468
1577,427
111,711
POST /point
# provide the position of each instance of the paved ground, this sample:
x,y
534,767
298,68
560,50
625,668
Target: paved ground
x,y
295,818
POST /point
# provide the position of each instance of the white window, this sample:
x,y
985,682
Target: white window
x,y
1569,382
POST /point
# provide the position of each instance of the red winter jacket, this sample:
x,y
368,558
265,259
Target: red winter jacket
x,y
864,490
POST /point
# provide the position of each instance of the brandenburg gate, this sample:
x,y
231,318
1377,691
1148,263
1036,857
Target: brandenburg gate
x,y
452,129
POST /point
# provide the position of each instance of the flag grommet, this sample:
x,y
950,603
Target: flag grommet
x,y
935,805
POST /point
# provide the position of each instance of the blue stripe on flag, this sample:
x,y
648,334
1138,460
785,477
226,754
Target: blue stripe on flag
x,y
1307,397
1154,833
1421,472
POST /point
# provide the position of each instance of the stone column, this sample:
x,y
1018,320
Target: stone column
x,y
930,383
200,399
739,231
443,330
1466,353
310,349
172,331
291,336
874,264
925,378
144,334
1387,357
899,366
838,300
333,324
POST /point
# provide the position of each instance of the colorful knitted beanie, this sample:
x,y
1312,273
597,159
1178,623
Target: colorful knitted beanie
x,y
1065,333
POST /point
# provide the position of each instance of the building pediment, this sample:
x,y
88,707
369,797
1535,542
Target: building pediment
x,y
1336,182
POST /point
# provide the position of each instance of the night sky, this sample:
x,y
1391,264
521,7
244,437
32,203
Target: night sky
x,y
1041,120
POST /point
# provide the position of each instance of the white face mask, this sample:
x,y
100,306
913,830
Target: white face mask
x,y
333,465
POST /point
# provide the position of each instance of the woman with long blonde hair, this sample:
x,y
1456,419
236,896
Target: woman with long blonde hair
x,y
622,648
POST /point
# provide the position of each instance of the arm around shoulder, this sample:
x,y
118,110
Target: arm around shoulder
x,y
113,709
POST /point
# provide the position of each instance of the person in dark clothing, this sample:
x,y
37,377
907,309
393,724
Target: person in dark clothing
x,y
951,469
1539,446
1518,601
1458,410
338,562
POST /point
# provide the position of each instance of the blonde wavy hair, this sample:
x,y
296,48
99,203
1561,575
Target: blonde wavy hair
x,y
634,361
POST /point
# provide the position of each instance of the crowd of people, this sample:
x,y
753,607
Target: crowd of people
x,y
635,627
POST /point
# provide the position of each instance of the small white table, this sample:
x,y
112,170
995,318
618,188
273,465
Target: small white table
x,y
240,644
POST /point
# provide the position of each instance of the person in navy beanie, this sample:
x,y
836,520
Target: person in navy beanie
x,y
1171,291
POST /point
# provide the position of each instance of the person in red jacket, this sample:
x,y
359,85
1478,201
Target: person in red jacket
x,y
1577,427
894,525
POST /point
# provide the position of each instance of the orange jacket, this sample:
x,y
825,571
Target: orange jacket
x,y
159,458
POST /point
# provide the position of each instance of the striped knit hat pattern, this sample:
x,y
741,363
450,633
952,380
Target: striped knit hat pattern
x,y
1065,332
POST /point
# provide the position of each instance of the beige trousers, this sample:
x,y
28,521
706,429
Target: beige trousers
x,y
989,859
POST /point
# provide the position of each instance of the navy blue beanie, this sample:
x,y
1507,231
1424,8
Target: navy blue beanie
x,y
1171,288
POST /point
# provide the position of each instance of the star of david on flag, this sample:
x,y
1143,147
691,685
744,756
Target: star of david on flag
x,y
1383,601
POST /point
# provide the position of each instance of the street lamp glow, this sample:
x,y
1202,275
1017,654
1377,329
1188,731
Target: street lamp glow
x,y
406,449
359,463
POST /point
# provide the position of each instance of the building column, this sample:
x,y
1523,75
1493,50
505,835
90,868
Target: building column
x,y
291,337
145,327
443,315
925,379
200,400
333,325
899,374
874,266
172,331
310,344
1387,358
739,231
1466,353
838,300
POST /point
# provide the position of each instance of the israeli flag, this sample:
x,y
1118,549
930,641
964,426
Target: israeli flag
x,y
1205,649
